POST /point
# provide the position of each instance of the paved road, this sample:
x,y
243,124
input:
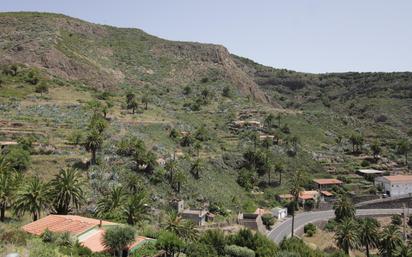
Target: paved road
x,y
283,229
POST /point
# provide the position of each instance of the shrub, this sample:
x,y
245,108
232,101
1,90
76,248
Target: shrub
x,y
309,229
76,137
268,220
365,163
285,129
64,239
118,237
187,90
396,220
330,225
238,251
19,158
47,236
226,91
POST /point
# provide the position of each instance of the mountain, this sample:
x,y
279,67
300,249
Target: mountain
x,y
103,57
197,89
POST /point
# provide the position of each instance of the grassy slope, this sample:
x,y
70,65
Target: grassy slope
x,y
83,59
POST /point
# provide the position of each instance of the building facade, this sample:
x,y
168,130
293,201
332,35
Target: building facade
x,y
395,185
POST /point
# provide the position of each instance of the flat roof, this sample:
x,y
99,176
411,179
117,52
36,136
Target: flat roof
x,y
399,178
327,181
370,171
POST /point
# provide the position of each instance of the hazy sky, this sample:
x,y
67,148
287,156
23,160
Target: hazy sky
x,y
303,35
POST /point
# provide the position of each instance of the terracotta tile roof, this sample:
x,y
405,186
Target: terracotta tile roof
x,y
261,211
399,178
63,223
95,241
306,195
327,181
326,193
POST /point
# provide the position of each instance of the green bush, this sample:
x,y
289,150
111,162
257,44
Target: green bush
x,y
397,220
48,236
268,220
330,225
18,157
238,251
309,229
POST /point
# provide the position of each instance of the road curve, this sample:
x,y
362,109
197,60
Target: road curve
x,y
283,229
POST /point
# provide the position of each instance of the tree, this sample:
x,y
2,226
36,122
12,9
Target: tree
x,y
32,197
118,238
145,100
197,168
376,149
403,250
182,228
133,105
296,186
41,88
346,235
368,233
344,208
171,167
170,243
67,191
404,147
215,238
110,202
8,185
279,169
93,142
357,142
135,208
179,179
269,120
390,239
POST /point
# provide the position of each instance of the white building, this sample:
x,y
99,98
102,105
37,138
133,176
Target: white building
x,y
395,185
279,213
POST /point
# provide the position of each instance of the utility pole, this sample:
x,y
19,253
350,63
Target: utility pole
x,y
404,222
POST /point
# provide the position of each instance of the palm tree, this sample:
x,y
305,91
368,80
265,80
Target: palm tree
x,y
403,250
296,186
368,233
110,202
197,168
269,120
344,208
279,168
171,166
390,239
135,208
93,143
376,149
33,197
182,228
8,184
179,179
346,235
67,190
403,148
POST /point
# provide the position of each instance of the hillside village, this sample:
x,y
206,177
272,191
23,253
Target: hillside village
x,y
183,149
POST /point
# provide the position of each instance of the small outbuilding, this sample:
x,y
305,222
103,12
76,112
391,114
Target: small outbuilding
x,y
279,213
326,183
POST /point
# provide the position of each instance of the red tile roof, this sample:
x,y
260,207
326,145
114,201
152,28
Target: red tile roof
x,y
326,193
399,178
327,181
63,223
95,241
307,195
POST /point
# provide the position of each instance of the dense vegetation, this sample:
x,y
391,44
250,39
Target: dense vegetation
x,y
114,123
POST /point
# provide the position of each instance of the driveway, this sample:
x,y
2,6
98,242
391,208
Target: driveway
x,y
283,229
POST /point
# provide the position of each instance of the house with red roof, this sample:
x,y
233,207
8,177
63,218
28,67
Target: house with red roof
x,y
326,183
89,232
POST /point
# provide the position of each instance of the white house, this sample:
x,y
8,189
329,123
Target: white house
x,y
395,185
279,213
